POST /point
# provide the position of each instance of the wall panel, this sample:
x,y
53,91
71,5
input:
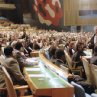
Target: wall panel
x,y
80,12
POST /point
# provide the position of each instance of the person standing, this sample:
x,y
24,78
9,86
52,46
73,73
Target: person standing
x,y
93,41
93,60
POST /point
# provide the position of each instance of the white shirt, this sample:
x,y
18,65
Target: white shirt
x,y
95,39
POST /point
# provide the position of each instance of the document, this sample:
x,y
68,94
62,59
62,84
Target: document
x,y
32,61
32,69
36,75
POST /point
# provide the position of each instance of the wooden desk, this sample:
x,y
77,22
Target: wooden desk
x,y
59,70
34,54
44,82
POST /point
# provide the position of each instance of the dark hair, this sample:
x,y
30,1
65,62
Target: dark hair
x,y
36,46
0,46
59,53
52,51
18,45
79,45
8,51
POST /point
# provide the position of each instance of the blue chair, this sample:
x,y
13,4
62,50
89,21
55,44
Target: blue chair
x,y
79,90
93,95
47,54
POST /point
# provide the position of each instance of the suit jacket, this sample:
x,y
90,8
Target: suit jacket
x,y
2,81
76,58
91,45
21,59
70,51
13,68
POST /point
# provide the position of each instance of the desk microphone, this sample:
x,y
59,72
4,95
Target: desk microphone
x,y
30,48
26,50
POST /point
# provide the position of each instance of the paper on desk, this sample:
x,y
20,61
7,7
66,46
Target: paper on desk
x,y
32,61
88,53
32,69
36,75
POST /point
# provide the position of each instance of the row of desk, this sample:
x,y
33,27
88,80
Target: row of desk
x,y
46,83
43,81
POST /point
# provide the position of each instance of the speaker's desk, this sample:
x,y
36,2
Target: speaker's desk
x,y
44,82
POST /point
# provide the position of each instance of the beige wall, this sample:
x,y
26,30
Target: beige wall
x,y
1,1
71,12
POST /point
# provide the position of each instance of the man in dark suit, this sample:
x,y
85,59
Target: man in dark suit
x,y
12,67
93,60
60,58
93,40
20,56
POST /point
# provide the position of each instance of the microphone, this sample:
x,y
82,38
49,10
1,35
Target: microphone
x,y
30,48
26,50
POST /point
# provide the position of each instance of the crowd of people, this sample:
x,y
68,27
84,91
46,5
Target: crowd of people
x,y
18,41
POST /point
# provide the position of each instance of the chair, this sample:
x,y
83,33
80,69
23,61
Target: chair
x,y
79,90
10,87
94,71
93,95
88,71
68,59
64,68
73,69
46,53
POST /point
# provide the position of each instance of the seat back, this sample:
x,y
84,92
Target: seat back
x,y
94,71
79,90
64,68
9,83
88,71
68,59
93,95
77,71
46,54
